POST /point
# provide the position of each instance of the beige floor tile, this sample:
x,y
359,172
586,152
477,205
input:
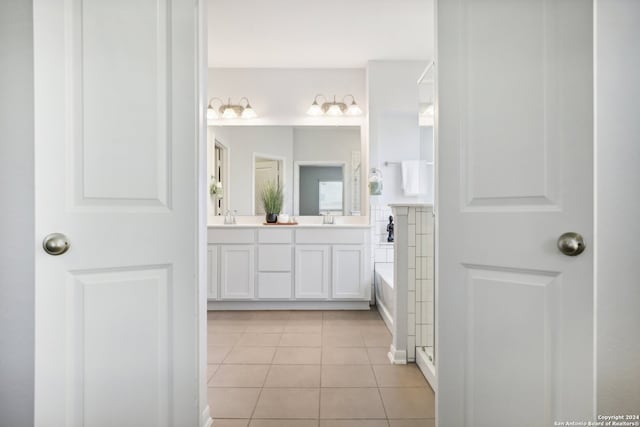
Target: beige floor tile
x,y
306,315
350,403
216,355
304,326
413,423
223,339
288,403
211,369
348,376
230,423
378,355
253,355
342,340
271,315
330,329
233,402
351,315
344,356
257,339
344,324
229,315
266,327
283,423
375,328
354,423
300,340
297,356
227,328
377,339
402,403
399,376
293,376
239,376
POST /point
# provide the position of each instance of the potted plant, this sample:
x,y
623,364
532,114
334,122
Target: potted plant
x,y
272,198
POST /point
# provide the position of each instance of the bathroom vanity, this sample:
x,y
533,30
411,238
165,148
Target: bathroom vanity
x,y
305,266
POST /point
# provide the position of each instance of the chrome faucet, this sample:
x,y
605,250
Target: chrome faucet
x,y
230,218
327,218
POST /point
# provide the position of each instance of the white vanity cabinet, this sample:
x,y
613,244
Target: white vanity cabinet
x,y
284,267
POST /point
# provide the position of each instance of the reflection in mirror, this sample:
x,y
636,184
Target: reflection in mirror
x,y
320,189
265,170
298,158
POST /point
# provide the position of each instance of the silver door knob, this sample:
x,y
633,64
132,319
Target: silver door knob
x,y
571,244
56,244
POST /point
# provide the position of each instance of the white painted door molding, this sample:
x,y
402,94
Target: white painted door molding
x,y
118,140
514,132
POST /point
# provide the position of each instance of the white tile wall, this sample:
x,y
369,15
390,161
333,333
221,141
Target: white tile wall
x,y
382,250
421,264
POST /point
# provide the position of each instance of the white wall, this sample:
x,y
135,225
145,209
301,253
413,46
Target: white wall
x,y
394,134
617,205
282,96
16,214
243,142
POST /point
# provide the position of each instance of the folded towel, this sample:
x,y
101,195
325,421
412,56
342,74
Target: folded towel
x,y
414,177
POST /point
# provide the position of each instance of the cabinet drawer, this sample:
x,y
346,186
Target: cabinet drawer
x,y
274,285
329,235
274,257
275,235
231,235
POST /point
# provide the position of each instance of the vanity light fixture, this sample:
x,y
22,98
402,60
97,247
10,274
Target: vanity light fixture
x,y
334,108
229,110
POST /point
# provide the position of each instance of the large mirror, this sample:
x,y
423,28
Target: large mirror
x,y
318,167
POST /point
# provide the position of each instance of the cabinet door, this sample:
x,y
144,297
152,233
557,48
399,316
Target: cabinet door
x,y
212,272
237,271
348,272
312,272
274,285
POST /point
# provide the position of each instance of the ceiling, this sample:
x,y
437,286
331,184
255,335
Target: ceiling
x,y
319,33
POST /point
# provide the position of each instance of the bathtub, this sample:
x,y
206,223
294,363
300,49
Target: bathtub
x,y
385,300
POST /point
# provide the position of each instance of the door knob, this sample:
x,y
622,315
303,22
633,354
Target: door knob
x,y
56,244
571,244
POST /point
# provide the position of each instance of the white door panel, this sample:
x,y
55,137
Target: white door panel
x,y
212,272
237,271
115,142
515,170
348,271
312,271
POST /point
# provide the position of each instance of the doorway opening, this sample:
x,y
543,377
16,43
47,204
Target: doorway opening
x,y
293,315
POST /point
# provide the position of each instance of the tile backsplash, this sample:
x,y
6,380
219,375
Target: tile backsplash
x,y
382,251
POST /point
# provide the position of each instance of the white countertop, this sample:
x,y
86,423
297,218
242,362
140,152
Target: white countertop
x,y
247,221
289,226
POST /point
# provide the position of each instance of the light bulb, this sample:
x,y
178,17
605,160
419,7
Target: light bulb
x,y
212,114
315,109
429,110
248,112
334,110
354,109
229,113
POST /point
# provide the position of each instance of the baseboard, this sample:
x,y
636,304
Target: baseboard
x,y
427,368
205,417
397,357
288,305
